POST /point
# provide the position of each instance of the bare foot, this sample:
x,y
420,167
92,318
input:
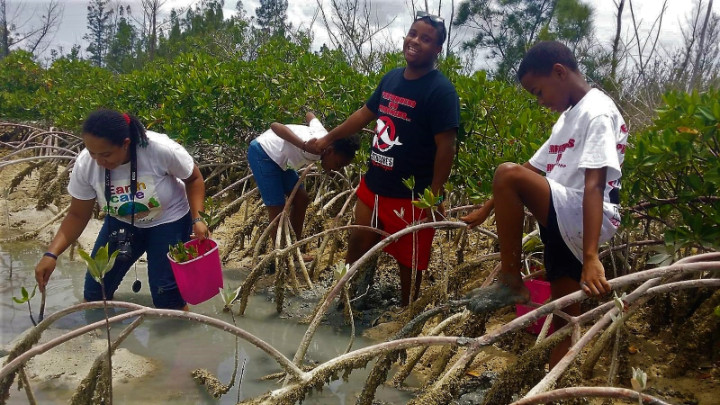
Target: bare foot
x,y
496,296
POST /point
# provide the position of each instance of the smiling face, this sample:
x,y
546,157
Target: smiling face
x,y
550,90
421,45
105,153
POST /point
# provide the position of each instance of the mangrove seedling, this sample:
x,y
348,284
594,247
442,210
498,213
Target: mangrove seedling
x,y
211,215
26,297
639,382
98,266
181,253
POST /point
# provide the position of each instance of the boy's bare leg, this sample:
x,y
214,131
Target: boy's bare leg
x,y
516,187
559,288
405,281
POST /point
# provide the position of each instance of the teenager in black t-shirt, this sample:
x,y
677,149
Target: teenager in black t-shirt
x,y
416,112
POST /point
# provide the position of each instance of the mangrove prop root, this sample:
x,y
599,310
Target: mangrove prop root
x,y
93,382
603,342
214,386
696,336
379,373
527,370
589,392
22,175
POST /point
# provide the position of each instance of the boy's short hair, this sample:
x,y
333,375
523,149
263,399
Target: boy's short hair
x,y
347,146
541,58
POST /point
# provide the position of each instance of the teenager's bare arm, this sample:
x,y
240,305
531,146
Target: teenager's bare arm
x,y
593,280
70,229
444,156
478,216
309,116
286,134
353,124
195,191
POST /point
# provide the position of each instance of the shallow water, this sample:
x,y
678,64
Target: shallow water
x,y
177,347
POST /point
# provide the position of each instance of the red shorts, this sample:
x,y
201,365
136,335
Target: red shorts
x,y
402,249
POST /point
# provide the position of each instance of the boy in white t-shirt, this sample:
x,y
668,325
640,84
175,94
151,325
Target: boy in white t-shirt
x,y
275,156
576,202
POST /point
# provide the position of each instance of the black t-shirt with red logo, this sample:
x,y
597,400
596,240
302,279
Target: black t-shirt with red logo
x,y
410,113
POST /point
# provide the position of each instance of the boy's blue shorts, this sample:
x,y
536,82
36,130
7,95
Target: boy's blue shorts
x,y
559,259
155,241
273,182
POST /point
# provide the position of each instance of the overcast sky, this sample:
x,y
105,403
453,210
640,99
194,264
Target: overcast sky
x,y
301,12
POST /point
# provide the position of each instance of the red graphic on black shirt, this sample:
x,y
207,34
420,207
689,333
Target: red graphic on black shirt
x,y
385,135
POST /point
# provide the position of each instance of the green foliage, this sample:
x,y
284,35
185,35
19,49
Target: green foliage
x,y
20,78
100,30
428,200
501,123
210,215
25,295
272,16
99,265
672,172
181,253
509,27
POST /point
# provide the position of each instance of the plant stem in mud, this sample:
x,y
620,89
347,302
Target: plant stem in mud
x,y
26,385
109,342
41,315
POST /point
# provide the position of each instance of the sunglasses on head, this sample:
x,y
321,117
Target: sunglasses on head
x,y
432,17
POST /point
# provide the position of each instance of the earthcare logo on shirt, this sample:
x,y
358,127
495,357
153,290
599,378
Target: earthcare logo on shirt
x,y
147,205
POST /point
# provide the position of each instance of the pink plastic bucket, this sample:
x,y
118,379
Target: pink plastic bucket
x,y
539,293
199,279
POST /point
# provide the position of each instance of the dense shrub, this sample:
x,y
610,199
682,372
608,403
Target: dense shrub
x,y
673,170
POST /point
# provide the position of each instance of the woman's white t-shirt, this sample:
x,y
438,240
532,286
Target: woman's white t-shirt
x,y
590,135
286,154
160,196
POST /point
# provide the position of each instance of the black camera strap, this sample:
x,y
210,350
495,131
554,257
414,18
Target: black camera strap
x,y
133,185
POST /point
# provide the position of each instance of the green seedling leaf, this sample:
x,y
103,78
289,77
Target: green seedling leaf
x,y
92,267
409,183
340,270
639,379
717,310
25,295
101,263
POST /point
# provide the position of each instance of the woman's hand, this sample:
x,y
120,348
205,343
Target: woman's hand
x,y
200,231
43,270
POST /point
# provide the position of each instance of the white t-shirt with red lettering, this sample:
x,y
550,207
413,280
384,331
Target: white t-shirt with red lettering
x,y
590,135
160,197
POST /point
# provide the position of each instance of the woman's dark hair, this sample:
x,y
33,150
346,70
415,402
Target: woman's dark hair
x,y
347,146
115,127
541,58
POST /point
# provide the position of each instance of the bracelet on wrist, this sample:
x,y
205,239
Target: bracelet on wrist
x,y
50,254
196,220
